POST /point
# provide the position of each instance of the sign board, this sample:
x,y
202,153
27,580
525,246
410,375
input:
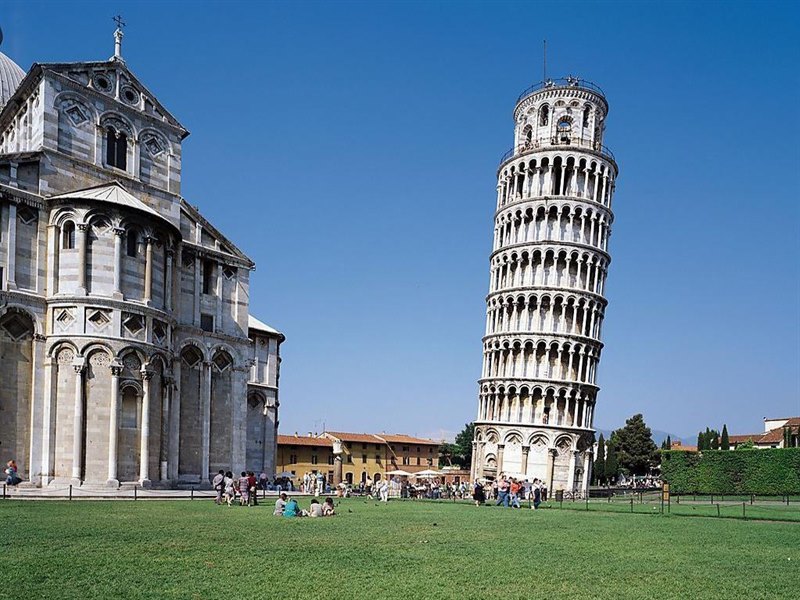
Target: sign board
x,y
665,492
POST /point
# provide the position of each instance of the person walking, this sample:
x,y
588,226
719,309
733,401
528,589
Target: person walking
x,y
502,491
514,488
219,485
478,494
537,494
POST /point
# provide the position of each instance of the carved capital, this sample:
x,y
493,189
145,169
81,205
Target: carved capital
x,y
116,368
147,374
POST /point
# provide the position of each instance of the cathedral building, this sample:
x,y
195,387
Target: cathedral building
x,y
127,351
546,301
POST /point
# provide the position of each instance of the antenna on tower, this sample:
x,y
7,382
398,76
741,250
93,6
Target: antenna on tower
x,y
544,60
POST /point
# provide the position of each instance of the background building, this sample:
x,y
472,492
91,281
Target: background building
x,y
545,306
127,353
778,433
362,457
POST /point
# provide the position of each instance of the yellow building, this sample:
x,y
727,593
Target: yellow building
x,y
365,457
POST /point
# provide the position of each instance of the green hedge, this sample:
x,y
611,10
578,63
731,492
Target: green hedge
x,y
763,472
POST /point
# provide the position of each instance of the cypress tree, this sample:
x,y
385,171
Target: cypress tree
x,y
600,461
612,466
714,440
700,439
669,443
725,444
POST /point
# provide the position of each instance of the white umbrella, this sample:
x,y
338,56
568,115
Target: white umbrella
x,y
427,473
399,472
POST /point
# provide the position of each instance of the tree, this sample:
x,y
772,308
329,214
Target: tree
x,y
612,465
669,443
700,439
463,446
725,443
636,450
600,461
447,453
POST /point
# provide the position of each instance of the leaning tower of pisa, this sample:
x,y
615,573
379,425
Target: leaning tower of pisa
x,y
545,307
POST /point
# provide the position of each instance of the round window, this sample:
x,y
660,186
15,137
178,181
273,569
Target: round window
x,y
130,95
101,82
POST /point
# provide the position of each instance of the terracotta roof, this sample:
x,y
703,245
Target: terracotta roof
x,y
399,438
364,438
304,440
740,439
771,437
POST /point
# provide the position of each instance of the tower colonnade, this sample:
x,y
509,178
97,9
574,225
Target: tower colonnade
x,y
546,304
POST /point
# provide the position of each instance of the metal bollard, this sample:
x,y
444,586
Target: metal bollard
x,y
191,494
717,509
744,510
135,492
631,503
752,499
4,491
70,491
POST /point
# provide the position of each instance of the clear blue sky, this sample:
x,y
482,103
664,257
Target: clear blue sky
x,y
350,149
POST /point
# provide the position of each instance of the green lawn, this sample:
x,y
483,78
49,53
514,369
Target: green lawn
x,y
194,549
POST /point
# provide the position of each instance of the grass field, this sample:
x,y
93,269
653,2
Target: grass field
x,y
194,549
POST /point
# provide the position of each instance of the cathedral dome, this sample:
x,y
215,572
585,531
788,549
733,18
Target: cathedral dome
x,y
10,76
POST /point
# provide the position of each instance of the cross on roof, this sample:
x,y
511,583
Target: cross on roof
x,y
118,20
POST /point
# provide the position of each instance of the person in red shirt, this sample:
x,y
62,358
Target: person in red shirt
x,y
514,488
251,487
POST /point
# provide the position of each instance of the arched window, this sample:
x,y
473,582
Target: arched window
x,y
132,243
586,112
544,115
116,149
68,236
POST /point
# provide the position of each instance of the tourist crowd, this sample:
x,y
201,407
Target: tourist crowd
x,y
510,492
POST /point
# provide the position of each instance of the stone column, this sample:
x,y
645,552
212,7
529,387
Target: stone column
x,y
197,291
11,255
168,280
53,251
337,469
36,423
113,426
175,420
144,440
587,470
551,468
525,451
47,410
82,231
571,475
148,270
77,423
118,233
206,432
501,448
166,404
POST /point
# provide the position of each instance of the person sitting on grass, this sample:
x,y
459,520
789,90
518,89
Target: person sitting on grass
x,y
292,509
315,510
11,473
327,508
280,504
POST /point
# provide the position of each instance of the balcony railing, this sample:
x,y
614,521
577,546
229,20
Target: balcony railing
x,y
573,82
557,142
